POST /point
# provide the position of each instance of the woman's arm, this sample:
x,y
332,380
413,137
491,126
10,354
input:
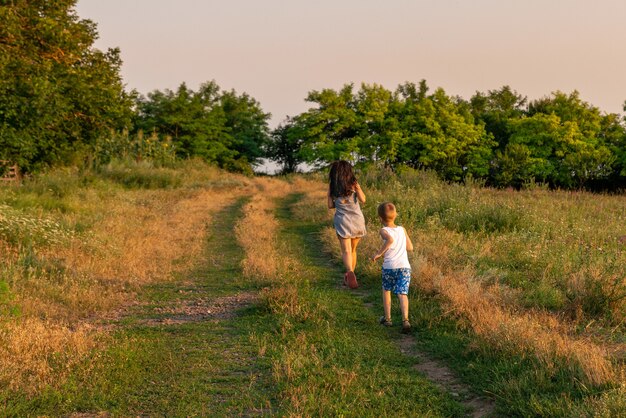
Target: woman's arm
x,y
388,242
329,200
359,193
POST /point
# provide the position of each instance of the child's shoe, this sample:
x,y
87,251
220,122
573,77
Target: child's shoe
x,y
384,321
406,326
351,279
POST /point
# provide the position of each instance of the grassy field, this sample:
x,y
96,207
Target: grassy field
x,y
523,292
136,290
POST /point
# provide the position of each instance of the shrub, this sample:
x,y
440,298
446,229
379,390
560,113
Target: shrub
x,y
597,295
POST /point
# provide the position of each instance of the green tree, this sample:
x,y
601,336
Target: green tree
x,y
247,125
443,138
58,94
496,109
331,128
560,152
569,108
381,135
194,120
588,137
285,146
220,127
613,133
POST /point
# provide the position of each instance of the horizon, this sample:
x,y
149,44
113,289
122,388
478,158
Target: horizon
x,y
279,51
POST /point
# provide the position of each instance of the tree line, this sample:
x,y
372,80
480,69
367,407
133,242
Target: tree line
x,y
62,101
498,136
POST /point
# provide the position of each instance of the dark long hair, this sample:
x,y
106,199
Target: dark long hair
x,y
341,179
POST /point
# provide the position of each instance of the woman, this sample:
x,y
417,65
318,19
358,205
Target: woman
x,y
344,195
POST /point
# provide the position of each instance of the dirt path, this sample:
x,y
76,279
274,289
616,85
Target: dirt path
x,y
445,378
202,309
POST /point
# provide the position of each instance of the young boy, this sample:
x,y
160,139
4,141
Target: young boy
x,y
396,267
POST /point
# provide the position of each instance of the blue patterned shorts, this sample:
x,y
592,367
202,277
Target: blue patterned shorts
x,y
397,280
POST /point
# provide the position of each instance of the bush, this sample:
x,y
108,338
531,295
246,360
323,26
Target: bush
x,y
7,307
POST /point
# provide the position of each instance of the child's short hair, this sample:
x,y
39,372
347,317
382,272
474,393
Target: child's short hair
x,y
386,210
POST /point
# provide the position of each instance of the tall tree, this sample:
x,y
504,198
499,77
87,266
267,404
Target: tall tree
x,y
496,109
560,152
380,133
194,120
58,94
247,125
443,138
330,128
285,146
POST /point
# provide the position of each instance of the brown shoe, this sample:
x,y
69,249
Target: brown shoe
x,y
351,279
406,327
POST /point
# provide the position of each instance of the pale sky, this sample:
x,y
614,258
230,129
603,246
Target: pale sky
x,y
278,50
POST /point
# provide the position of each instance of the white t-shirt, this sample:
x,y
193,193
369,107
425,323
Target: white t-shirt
x,y
396,256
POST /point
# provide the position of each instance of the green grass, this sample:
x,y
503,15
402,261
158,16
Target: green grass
x,y
141,175
520,385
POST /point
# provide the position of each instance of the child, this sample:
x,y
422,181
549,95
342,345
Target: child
x,y
396,267
344,195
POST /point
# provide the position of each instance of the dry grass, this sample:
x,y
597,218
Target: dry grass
x,y
524,333
35,353
136,237
256,231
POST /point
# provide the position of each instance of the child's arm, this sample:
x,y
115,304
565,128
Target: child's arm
x,y
359,193
409,244
388,242
329,200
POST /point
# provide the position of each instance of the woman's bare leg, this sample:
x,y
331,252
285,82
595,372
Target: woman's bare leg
x,y
346,253
354,244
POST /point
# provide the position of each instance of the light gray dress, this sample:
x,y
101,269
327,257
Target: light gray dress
x,y
349,221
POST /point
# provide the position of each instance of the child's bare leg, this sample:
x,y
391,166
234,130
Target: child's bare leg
x,y
354,243
346,252
404,306
387,303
